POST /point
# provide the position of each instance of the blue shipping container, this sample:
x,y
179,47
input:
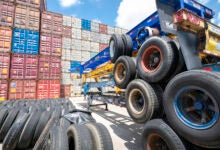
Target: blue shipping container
x,y
86,24
75,66
25,41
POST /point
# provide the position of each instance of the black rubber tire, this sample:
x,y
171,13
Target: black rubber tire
x,y
127,64
12,137
157,129
3,116
117,49
64,123
7,123
208,81
57,139
28,130
45,116
79,138
164,66
143,111
128,45
100,136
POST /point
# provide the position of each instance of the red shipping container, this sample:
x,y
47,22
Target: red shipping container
x,y
49,67
50,45
22,89
4,65
51,23
103,29
102,46
5,39
24,66
48,89
3,90
67,32
32,3
65,91
6,13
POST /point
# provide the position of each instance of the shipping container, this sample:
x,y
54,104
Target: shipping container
x,y
24,66
102,46
118,30
103,29
65,91
3,90
95,37
27,18
67,21
67,55
5,39
76,55
51,23
6,13
50,44
110,30
76,23
86,24
76,45
76,33
92,54
67,32
66,79
85,45
4,65
85,35
75,64
48,89
85,55
94,26
32,3
49,67
103,38
66,43
94,47
25,41
76,91
65,66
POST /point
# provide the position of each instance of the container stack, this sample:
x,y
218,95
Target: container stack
x,y
50,55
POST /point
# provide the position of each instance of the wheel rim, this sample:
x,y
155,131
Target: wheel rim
x,y
112,48
120,72
155,141
136,101
196,108
151,59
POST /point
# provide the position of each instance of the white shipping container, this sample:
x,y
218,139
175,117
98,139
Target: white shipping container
x,y
65,66
85,56
85,45
110,30
66,54
76,55
76,45
124,31
66,43
76,90
95,37
76,33
94,47
85,35
92,54
76,23
67,21
66,79
118,30
103,38
94,26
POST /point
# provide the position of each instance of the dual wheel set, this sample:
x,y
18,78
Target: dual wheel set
x,y
180,108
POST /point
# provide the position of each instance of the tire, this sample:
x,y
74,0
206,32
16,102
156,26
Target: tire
x,y
158,135
116,47
79,138
64,123
141,101
45,116
100,136
160,56
124,71
3,115
192,107
28,130
12,137
7,123
57,139
128,45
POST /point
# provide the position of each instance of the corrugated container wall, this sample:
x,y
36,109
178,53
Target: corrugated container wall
x,y
51,23
76,23
65,91
6,13
3,90
103,29
76,55
66,54
76,44
27,18
86,24
32,3
66,79
4,65
5,39
65,66
94,26
94,47
86,35
67,21
66,43
102,46
85,45
25,41
48,89
111,30
76,33
67,32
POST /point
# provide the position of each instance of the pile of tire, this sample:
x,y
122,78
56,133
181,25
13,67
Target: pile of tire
x,y
180,108
40,124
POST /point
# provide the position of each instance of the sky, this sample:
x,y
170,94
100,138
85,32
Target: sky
x,y
122,13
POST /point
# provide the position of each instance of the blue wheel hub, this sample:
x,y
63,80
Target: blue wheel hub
x,y
196,108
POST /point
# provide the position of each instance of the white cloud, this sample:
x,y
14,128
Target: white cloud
x,y
218,1
131,12
68,3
